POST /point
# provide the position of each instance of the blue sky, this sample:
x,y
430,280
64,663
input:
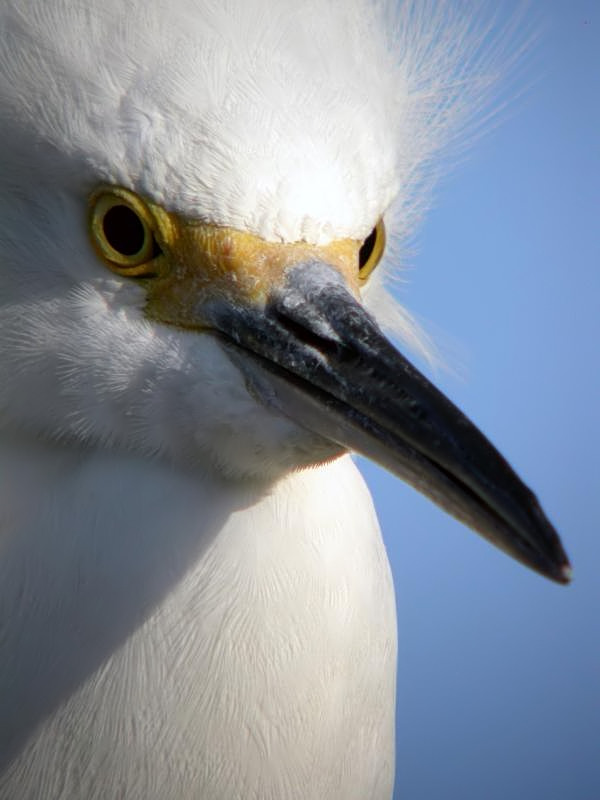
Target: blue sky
x,y
499,670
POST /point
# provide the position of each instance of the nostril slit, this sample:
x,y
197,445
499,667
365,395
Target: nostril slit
x,y
305,334
325,345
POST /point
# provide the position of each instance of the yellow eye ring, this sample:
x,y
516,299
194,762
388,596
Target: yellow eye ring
x,y
123,231
371,252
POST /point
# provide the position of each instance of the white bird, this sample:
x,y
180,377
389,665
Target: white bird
x,y
195,601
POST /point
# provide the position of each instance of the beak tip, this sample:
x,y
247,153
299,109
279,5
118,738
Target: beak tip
x,y
565,573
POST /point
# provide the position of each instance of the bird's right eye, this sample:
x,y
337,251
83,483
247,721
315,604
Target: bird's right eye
x,y
123,232
371,252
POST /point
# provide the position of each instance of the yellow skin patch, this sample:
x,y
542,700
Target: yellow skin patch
x,y
200,262
204,262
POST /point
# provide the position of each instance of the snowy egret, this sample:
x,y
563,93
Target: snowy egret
x,y
195,599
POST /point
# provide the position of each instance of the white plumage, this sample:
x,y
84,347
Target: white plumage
x,y
196,602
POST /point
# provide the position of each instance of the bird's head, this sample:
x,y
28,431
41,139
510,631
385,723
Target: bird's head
x,y
194,208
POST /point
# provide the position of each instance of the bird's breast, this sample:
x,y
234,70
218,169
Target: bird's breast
x,y
171,638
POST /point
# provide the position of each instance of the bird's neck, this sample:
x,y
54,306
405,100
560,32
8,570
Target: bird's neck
x,y
111,560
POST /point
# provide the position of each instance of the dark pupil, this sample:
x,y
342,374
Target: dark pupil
x,y
364,254
123,230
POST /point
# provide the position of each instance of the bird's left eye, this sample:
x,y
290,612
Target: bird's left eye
x,y
123,229
371,251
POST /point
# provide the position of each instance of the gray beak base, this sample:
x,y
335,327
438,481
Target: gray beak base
x,y
331,369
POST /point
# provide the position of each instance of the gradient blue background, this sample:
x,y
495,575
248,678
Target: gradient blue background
x,y
499,669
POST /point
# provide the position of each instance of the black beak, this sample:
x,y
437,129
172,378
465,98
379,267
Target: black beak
x,y
333,371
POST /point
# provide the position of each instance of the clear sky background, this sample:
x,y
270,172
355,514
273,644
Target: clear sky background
x,y
499,669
